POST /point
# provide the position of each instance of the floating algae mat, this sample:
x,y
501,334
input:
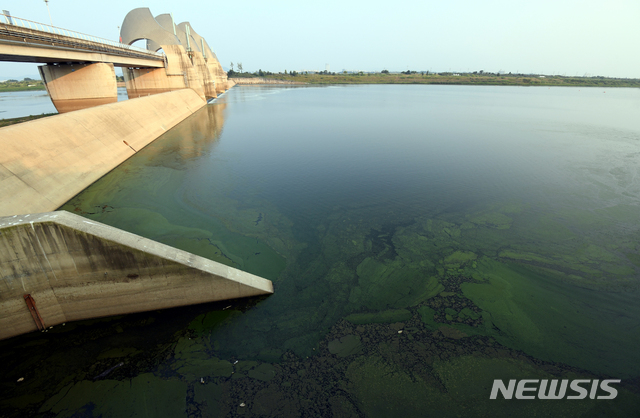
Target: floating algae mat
x,y
423,241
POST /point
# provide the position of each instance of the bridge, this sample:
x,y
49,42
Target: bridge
x,y
23,40
79,70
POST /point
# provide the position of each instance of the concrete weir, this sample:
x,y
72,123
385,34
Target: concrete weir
x,y
73,268
45,162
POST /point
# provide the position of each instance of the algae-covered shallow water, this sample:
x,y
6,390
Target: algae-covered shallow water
x,y
422,241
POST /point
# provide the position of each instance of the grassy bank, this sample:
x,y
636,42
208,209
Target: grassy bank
x,y
13,121
462,79
24,85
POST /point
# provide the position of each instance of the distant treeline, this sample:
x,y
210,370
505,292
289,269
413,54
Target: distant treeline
x,y
425,77
405,77
238,74
26,84
30,84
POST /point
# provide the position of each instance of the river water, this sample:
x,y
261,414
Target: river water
x,y
422,240
16,104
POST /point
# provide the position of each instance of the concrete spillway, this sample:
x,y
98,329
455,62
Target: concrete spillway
x,y
76,269
46,162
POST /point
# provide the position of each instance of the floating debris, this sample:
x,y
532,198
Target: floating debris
x,y
21,379
106,372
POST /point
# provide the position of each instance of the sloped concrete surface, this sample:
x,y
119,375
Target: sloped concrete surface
x,y
76,269
45,162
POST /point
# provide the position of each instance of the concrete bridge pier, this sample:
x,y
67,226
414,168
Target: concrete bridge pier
x,y
79,86
179,73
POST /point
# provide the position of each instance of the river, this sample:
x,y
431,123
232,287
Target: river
x,y
16,104
422,240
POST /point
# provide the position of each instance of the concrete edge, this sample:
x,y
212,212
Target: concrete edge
x,y
139,243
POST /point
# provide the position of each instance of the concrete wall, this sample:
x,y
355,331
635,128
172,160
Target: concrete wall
x,y
179,73
219,75
199,44
79,86
44,163
208,81
77,269
179,63
142,82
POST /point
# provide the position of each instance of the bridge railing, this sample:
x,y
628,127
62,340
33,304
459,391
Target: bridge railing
x,y
28,24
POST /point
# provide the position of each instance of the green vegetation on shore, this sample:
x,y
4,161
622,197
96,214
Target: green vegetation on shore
x,y
477,78
24,85
13,121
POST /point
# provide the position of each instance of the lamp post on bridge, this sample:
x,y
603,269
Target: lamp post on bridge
x,y
49,11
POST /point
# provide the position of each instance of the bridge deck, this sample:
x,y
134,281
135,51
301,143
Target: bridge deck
x,y
22,44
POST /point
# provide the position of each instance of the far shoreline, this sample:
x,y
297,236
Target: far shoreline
x,y
13,121
414,78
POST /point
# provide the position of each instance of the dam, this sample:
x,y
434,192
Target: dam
x,y
55,267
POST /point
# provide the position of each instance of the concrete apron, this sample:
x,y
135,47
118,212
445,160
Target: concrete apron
x,y
57,267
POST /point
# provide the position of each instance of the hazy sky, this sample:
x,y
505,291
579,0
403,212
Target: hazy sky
x,y
551,37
